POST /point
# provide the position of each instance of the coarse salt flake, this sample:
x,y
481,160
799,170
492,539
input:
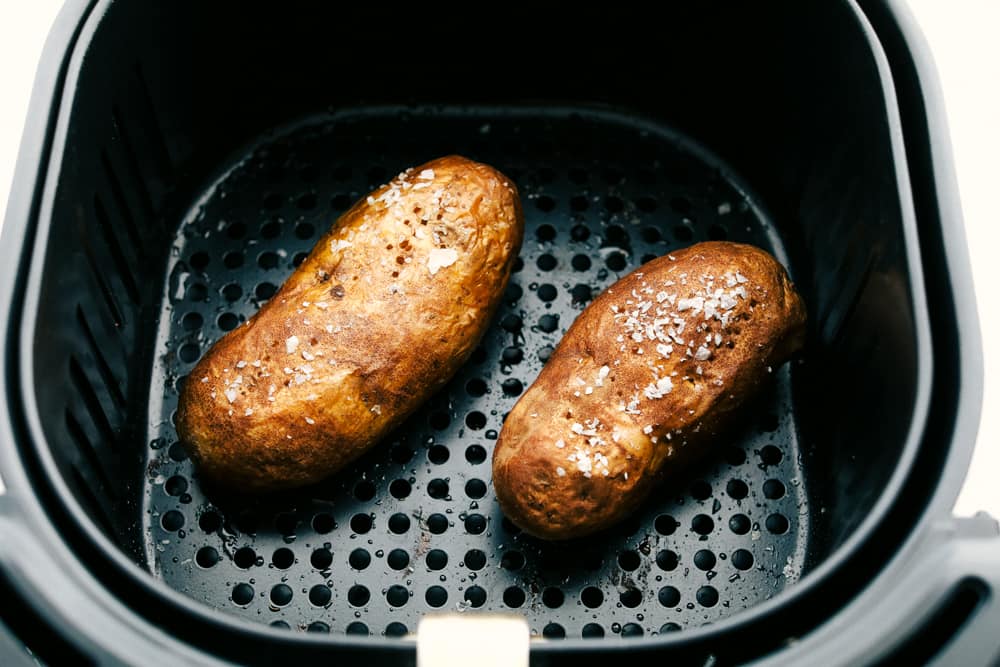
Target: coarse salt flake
x,y
310,421
291,344
659,389
440,258
231,395
426,175
702,353
248,412
560,471
694,303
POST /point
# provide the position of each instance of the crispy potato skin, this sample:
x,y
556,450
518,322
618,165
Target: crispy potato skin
x,y
389,304
571,413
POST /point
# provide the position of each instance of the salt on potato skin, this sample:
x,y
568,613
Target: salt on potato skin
x,y
387,306
685,339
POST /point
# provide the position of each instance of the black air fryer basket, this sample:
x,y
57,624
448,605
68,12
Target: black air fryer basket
x,y
182,158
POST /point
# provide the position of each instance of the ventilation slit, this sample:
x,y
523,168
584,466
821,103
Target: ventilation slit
x,y
86,449
117,317
110,381
128,150
124,271
93,403
135,238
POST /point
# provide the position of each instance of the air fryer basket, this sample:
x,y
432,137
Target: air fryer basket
x,y
198,152
415,526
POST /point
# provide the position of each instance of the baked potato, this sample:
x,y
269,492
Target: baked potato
x,y
644,381
387,306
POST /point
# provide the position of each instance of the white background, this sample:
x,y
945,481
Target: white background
x,y
964,36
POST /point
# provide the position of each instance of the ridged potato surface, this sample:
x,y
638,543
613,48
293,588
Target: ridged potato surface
x,y
387,306
646,379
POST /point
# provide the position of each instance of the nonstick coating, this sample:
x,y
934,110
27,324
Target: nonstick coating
x,y
414,526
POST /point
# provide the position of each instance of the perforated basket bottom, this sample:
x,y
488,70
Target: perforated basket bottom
x,y
414,526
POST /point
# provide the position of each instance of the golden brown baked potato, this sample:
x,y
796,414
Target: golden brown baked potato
x,y
644,380
389,304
